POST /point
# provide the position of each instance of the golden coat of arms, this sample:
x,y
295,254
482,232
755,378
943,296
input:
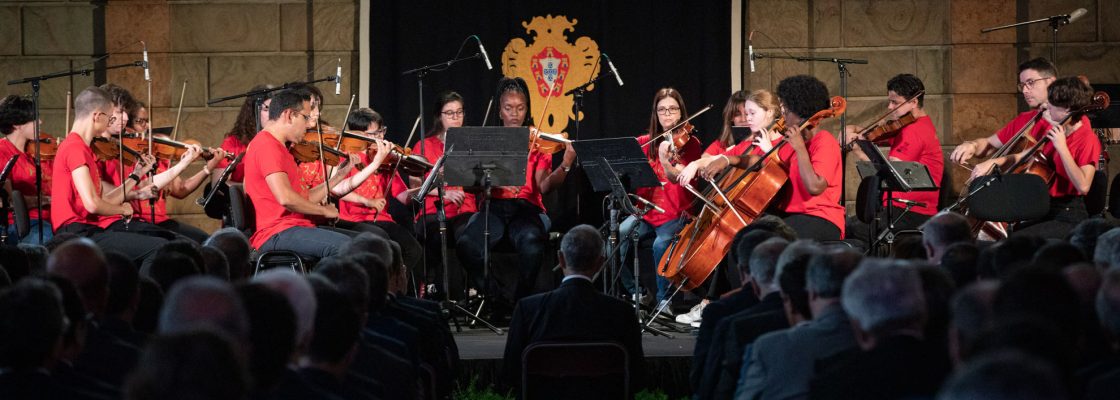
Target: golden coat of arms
x,y
551,64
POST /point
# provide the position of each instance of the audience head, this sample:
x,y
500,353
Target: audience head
x,y
169,267
1032,335
827,271
1038,293
83,264
581,251
1006,375
124,286
235,246
1084,236
744,248
971,310
295,288
937,288
36,257
791,283
337,326
764,263
5,280
378,273
1013,253
1106,243
909,247
943,230
74,335
367,242
59,239
272,331
1056,256
773,224
188,248
1085,280
189,365
796,250
1108,303
398,274
201,302
884,298
146,319
350,280
960,260
14,261
215,263
31,324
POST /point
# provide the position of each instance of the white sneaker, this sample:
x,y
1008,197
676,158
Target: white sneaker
x,y
695,324
693,314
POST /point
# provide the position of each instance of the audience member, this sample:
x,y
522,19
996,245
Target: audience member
x,y
1056,256
334,343
148,307
200,364
14,260
235,246
36,257
31,328
1106,243
943,230
971,309
124,299
1084,236
216,264
169,267
204,301
960,260
1004,375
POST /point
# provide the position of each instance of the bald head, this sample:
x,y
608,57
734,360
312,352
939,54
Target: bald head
x,y
83,264
203,302
298,291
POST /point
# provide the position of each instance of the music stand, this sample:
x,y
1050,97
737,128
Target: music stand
x,y
484,157
618,166
904,176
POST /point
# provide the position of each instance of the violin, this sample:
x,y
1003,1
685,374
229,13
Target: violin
x,y
308,151
167,149
351,142
48,146
888,129
106,149
547,143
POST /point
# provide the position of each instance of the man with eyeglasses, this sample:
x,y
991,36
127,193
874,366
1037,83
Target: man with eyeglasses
x,y
1035,77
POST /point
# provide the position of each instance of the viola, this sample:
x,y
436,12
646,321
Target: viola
x,y
547,143
48,146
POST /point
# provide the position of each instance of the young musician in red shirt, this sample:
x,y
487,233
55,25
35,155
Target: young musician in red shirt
x,y
283,209
1072,152
916,141
667,111
1035,77
812,205
516,213
458,205
244,129
78,202
17,124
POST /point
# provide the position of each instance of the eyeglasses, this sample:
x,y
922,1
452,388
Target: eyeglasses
x,y
306,118
453,114
1029,84
380,131
668,110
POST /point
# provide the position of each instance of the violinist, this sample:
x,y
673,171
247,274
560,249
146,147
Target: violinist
x,y
17,124
812,206
916,141
80,196
1035,77
178,188
244,129
667,111
516,213
458,205
1072,152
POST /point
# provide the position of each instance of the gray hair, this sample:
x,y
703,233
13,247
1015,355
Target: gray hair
x,y
764,260
803,248
971,309
827,271
235,246
945,229
1004,375
882,295
200,302
298,291
1108,301
1106,243
581,247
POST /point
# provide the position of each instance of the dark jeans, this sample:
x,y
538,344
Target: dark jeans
x,y
662,238
859,230
187,230
309,241
812,227
512,220
1065,213
428,231
138,246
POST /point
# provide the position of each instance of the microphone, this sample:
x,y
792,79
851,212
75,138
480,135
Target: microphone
x,y
750,50
648,203
147,73
338,78
1076,14
613,70
485,57
910,202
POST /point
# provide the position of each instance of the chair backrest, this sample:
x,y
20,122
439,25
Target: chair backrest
x,y
868,199
1095,200
241,209
572,366
20,214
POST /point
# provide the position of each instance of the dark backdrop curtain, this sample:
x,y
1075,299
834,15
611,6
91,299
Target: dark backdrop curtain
x,y
654,44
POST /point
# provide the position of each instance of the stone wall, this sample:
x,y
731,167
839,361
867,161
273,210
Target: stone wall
x,y
217,48
970,77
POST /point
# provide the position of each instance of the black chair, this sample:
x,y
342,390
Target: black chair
x,y
20,214
241,217
575,370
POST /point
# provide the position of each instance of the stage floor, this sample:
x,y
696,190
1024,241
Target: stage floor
x,y
483,344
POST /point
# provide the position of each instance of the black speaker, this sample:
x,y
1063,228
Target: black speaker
x,y
1009,198
868,199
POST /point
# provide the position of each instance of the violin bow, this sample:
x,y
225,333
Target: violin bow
x,y
669,132
178,114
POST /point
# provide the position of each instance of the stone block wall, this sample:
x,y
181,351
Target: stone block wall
x,y
970,77
217,48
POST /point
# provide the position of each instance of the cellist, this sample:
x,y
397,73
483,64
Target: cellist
x,y
1035,77
1072,153
812,206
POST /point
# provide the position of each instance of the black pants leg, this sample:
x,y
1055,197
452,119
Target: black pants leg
x,y
138,247
190,231
357,228
812,227
1065,213
428,230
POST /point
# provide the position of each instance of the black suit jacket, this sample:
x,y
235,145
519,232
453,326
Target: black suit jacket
x,y
715,312
573,312
732,335
898,367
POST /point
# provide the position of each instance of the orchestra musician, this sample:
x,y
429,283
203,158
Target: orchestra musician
x,y
812,205
667,111
243,131
1035,77
17,124
1071,151
916,141
516,213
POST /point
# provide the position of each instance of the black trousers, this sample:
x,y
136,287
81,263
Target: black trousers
x,y
138,246
428,231
812,227
1065,213
411,252
187,230
511,220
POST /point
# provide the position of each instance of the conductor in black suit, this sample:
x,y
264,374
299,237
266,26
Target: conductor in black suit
x,y
575,311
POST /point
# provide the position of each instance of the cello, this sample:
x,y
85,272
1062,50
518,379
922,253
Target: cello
x,y
696,251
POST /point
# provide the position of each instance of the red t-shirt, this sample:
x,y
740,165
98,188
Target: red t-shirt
x,y
824,155
372,188
433,150
716,148
531,192
111,175
23,178
233,145
671,196
143,207
67,206
918,142
1085,148
266,156
1008,131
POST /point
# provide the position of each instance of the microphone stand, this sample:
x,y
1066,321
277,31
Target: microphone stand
x,y
577,94
259,95
842,67
1055,22
36,83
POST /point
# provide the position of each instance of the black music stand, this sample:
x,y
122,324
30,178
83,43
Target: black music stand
x,y
485,157
618,166
5,205
904,176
